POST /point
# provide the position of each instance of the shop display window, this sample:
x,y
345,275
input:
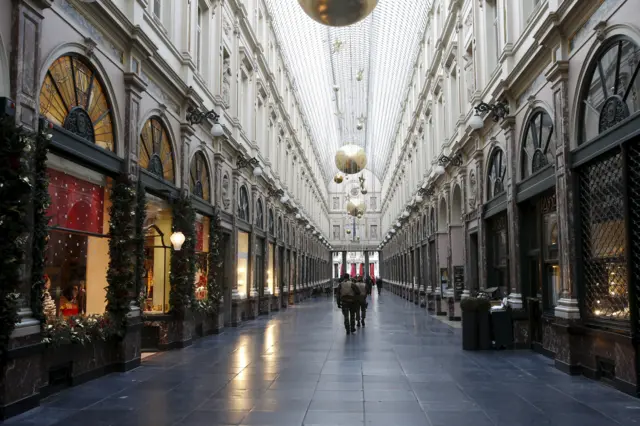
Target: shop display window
x,y
243,263
77,256
202,257
157,256
271,269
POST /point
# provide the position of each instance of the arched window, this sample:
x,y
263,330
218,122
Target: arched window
x,y
613,91
286,232
156,152
271,223
259,215
497,170
432,222
243,204
280,228
538,148
425,230
72,96
199,177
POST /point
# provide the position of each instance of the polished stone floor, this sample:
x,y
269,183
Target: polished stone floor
x,y
299,368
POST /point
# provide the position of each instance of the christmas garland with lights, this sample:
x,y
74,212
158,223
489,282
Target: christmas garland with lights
x,y
41,202
214,287
15,193
141,216
183,263
121,273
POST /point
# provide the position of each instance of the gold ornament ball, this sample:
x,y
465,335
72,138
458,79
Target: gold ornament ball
x,y
355,207
351,159
338,178
338,13
364,191
348,231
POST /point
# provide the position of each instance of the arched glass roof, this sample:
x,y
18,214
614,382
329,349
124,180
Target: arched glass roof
x,y
369,63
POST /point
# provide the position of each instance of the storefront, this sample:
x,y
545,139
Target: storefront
x,y
496,224
607,168
272,273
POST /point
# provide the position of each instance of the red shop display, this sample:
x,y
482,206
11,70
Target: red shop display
x,y
75,203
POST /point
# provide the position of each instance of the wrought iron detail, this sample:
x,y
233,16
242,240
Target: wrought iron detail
x,y
244,162
455,160
499,110
614,111
155,165
79,123
195,116
539,161
197,189
603,260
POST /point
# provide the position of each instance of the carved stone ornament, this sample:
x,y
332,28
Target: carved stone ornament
x,y
226,200
473,188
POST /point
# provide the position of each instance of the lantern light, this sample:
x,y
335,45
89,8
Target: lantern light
x,y
177,240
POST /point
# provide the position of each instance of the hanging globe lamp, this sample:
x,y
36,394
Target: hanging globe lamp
x,y
355,207
351,159
338,13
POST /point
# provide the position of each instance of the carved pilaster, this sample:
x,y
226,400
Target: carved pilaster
x,y
25,58
565,192
513,227
134,87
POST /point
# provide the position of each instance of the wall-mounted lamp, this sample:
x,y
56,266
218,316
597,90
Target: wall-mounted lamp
x,y
284,198
499,112
438,170
177,240
257,172
418,198
454,160
405,214
242,162
195,116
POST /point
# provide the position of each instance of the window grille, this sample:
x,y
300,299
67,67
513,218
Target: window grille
x,y
603,260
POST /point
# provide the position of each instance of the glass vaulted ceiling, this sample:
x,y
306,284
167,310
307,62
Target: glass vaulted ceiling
x,y
383,47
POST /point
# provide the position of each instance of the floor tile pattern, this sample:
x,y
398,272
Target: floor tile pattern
x,y
298,368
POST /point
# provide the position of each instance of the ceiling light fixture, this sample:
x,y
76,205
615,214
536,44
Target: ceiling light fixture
x,y
338,13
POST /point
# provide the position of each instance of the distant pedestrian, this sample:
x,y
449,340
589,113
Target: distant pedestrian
x,y
361,308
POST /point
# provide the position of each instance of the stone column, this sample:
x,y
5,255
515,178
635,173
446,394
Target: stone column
x,y
366,264
567,307
513,225
482,240
344,261
236,297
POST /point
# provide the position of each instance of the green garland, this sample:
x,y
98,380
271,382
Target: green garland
x,y
78,330
183,264
141,216
15,193
215,288
121,273
41,202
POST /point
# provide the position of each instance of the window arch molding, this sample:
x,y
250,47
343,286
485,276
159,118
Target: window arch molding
x,y
535,143
496,173
244,208
260,214
102,115
168,162
583,113
200,183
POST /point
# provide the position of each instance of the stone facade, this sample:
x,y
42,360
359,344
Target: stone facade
x,y
520,205
153,65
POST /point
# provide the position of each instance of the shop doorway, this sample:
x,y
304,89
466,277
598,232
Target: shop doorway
x,y
433,271
474,271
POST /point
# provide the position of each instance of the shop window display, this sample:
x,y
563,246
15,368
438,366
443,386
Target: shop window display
x,y
202,254
243,263
157,253
78,251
